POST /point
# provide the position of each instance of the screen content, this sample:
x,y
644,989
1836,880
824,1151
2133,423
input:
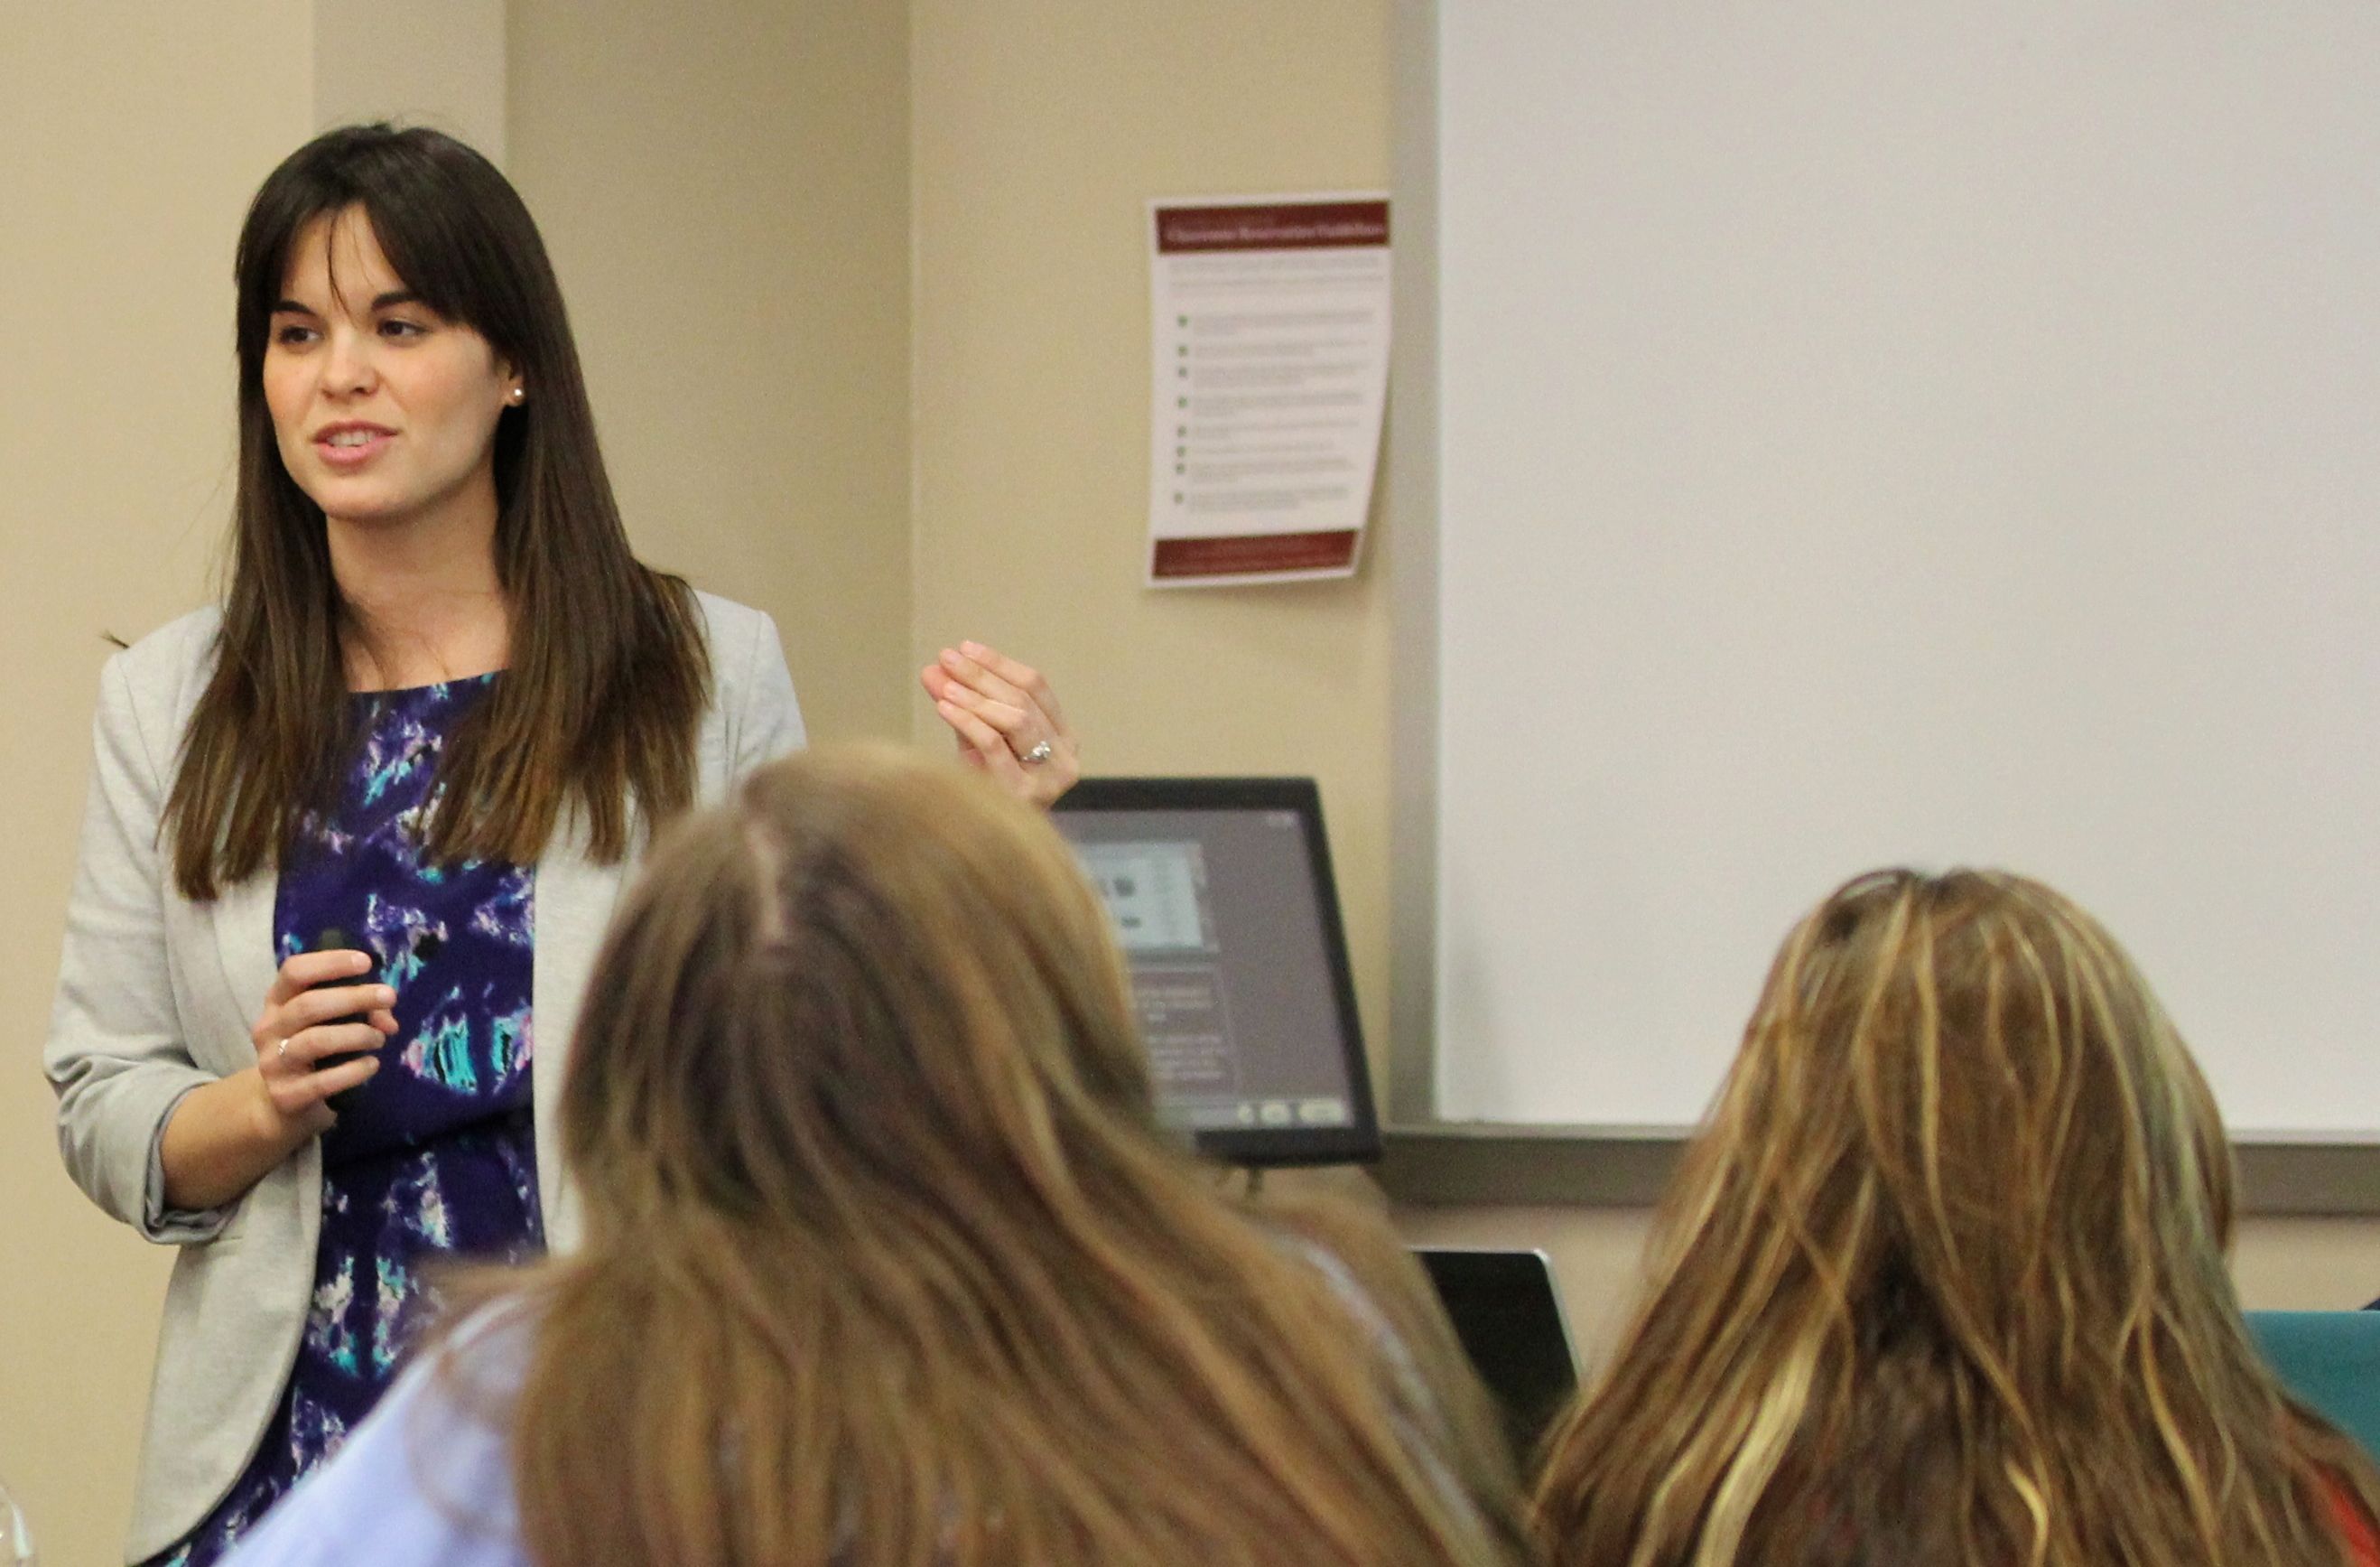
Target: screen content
x,y
1217,911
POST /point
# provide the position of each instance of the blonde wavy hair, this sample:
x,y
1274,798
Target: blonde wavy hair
x,y
1943,1279
889,1261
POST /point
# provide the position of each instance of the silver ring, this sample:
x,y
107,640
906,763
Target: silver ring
x,y
1038,754
281,1046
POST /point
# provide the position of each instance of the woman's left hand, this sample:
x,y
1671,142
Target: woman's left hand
x,y
1006,719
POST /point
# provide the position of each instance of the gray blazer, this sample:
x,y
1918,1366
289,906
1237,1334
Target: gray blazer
x,y
156,995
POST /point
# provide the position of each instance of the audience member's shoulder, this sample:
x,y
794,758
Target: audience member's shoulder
x,y
1369,1272
427,1479
1345,1240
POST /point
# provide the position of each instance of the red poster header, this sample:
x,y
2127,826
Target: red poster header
x,y
1292,225
1250,555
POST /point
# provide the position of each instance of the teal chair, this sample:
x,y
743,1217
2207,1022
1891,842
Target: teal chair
x,y
2331,1360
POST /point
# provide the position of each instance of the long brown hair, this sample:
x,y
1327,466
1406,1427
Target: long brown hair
x,y
1942,1280
607,674
888,1259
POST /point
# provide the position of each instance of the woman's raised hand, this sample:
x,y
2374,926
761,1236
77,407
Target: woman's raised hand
x,y
1006,719
308,1047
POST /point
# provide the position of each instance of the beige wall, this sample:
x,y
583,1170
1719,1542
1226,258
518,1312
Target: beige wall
x,y
1042,126
438,63
725,189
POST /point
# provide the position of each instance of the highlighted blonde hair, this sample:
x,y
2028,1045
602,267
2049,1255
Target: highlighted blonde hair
x,y
889,1261
1942,1280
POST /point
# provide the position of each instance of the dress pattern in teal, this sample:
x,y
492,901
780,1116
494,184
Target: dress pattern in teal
x,y
434,1158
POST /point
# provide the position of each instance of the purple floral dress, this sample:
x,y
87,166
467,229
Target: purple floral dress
x,y
433,1158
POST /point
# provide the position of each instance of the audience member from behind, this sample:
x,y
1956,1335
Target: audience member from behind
x,y
1943,1281
887,1260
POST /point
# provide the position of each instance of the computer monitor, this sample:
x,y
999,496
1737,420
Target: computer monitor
x,y
1508,1318
1222,894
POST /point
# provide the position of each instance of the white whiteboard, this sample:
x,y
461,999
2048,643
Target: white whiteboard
x,y
1876,432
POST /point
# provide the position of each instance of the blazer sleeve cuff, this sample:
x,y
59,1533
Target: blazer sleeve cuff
x,y
173,1226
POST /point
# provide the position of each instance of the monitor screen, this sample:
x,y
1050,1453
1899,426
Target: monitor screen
x,y
1222,894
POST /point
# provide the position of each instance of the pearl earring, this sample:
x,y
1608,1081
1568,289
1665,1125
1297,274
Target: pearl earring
x,y
519,396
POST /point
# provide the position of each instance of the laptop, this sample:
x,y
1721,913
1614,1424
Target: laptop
x,y
1508,1315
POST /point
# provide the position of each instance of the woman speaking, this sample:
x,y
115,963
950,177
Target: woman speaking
x,y
353,835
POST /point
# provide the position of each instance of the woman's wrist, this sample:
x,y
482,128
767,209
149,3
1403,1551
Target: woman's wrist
x,y
273,1131
223,1138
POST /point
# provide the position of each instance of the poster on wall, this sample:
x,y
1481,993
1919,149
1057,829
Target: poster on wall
x,y
1270,337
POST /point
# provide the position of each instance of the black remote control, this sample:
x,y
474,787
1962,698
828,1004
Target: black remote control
x,y
335,939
